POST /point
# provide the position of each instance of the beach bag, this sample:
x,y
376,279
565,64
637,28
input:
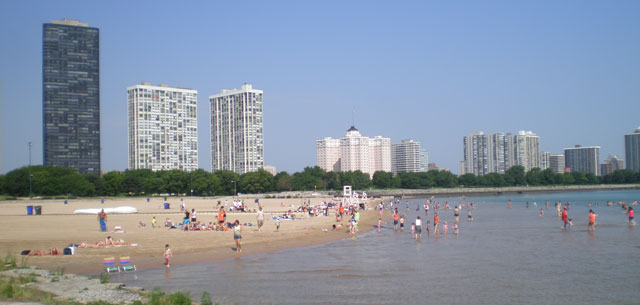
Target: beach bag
x,y
67,251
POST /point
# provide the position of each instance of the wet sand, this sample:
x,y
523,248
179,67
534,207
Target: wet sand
x,y
58,227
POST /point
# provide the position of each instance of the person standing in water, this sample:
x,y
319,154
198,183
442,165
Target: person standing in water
x,y
435,224
167,256
565,217
592,221
456,213
630,213
418,228
395,220
237,235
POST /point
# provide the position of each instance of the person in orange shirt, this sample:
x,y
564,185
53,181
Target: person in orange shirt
x,y
436,220
395,220
341,210
565,217
221,216
592,221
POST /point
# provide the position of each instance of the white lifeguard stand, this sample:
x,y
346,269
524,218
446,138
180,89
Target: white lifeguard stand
x,y
346,191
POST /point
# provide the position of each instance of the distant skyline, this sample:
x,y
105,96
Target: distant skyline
x,y
434,72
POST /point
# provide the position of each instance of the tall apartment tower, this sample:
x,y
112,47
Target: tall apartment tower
x,y
583,159
408,156
476,154
71,95
632,150
496,153
163,127
556,162
527,150
237,138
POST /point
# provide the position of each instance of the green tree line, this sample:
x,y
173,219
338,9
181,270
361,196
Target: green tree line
x,y
55,181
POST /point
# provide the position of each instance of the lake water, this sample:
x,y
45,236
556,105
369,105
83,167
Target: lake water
x,y
504,256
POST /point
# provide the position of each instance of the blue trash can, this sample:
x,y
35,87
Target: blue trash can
x,y
166,205
29,210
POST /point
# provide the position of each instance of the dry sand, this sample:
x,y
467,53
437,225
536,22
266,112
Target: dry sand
x,y
58,227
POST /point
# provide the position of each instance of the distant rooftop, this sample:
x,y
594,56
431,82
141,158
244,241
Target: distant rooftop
x,y
72,22
353,128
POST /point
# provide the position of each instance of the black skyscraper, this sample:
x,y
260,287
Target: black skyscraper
x,y
71,95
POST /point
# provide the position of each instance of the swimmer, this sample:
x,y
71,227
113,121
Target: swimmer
x,y
541,212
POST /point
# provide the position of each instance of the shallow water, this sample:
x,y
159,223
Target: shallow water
x,y
503,256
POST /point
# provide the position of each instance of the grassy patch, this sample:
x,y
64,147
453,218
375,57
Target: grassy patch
x,y
104,278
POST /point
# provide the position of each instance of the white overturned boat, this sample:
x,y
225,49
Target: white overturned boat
x,y
118,210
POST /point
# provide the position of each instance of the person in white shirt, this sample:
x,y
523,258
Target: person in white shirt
x,y
418,228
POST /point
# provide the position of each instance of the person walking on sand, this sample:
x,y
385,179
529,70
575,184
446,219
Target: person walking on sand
x,y
167,256
260,217
237,235
102,219
592,221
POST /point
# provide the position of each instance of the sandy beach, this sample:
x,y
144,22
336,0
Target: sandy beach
x,y
58,227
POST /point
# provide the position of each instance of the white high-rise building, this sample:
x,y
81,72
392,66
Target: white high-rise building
x,y
237,138
544,160
163,127
496,153
527,150
407,156
354,152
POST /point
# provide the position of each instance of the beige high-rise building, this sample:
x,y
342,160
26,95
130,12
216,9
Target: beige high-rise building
x,y
163,127
556,162
354,152
612,164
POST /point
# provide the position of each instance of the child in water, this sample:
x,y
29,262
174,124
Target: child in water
x,y
428,227
413,229
444,229
455,228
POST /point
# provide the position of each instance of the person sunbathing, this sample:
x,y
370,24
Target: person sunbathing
x,y
108,242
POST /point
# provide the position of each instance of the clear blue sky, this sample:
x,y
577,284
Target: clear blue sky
x,y
432,71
